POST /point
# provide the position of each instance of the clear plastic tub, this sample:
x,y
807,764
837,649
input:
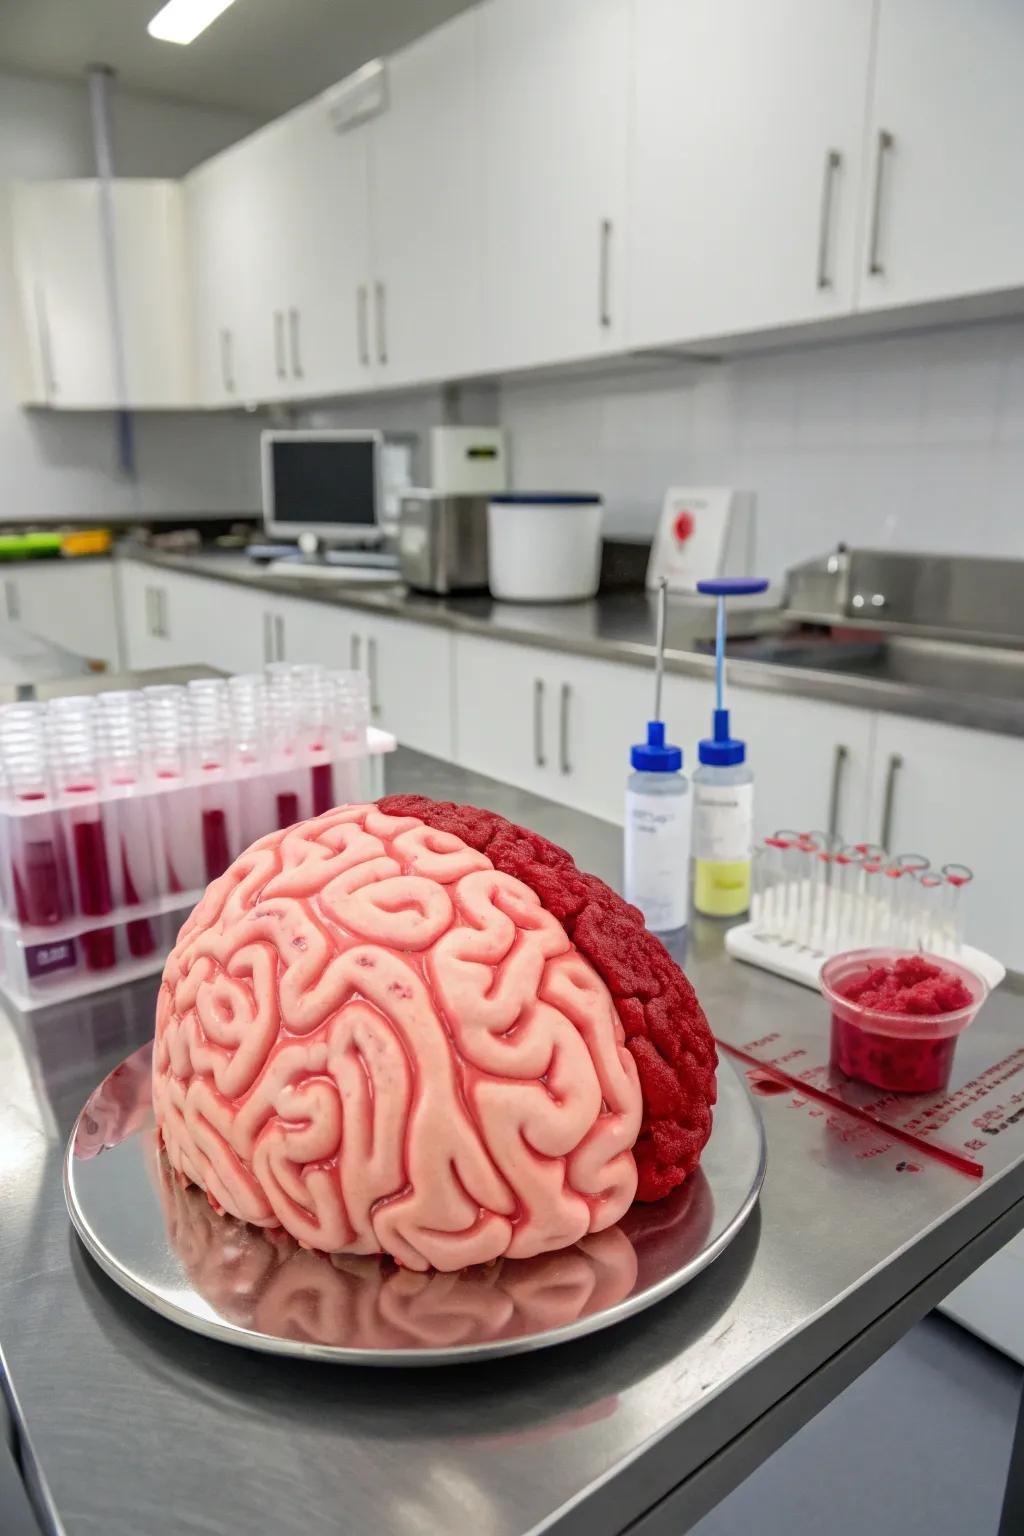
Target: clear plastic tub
x,y
900,1052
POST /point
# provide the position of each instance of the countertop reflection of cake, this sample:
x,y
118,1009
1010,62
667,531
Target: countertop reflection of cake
x,y
414,1028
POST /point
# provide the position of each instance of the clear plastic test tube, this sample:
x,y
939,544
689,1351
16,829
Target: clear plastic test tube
x,y
247,704
123,770
349,705
957,878
932,897
169,747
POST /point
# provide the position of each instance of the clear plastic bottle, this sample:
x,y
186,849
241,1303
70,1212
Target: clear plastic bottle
x,y
723,808
657,835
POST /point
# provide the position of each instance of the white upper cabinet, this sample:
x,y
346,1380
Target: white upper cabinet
x,y
66,295
943,207
149,221
745,164
216,220
425,186
326,297
553,94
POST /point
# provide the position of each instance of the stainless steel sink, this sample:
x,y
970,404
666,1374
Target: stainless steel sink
x,y
976,670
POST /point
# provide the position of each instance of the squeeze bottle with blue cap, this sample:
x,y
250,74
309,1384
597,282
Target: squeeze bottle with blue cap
x,y
723,789
657,845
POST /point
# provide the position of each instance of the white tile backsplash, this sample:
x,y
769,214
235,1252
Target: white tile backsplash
x,y
916,441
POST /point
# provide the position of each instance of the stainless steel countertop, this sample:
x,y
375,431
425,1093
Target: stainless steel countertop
x,y
136,1426
620,626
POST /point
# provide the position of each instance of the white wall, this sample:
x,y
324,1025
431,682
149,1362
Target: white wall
x,y
914,441
54,465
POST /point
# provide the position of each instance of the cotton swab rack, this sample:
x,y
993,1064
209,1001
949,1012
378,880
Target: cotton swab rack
x,y
813,897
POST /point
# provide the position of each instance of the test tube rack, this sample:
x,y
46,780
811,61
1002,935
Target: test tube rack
x,y
812,899
97,878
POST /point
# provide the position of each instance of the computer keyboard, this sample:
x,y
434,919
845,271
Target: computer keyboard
x,y
316,570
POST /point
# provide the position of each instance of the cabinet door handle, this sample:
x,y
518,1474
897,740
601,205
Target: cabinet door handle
x,y
45,342
354,647
227,362
268,637
363,324
563,729
380,295
839,761
294,343
604,298
833,162
147,608
371,672
278,637
886,143
12,598
161,608
538,722
888,803
280,366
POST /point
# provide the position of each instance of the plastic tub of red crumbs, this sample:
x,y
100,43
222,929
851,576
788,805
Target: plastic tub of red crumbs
x,y
897,1015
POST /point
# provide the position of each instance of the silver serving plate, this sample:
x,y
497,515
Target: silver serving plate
x,y
168,1248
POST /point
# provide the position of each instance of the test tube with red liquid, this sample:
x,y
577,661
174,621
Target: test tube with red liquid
x,y
211,730
40,892
312,691
77,775
291,785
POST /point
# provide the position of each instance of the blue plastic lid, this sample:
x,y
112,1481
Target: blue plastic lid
x,y
653,755
722,750
545,498
733,586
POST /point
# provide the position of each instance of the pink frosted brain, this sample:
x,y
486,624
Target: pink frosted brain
x,y
370,1036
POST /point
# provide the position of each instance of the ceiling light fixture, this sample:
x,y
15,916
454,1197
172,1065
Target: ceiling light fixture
x,y
181,21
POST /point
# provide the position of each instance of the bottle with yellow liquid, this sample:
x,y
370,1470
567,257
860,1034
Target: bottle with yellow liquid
x,y
723,813
723,786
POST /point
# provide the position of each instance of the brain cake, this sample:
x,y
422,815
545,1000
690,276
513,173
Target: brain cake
x,y
416,1029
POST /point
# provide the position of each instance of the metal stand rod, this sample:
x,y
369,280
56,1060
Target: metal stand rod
x,y
1012,1522
100,77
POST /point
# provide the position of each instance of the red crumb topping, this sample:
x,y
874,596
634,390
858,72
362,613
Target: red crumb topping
x,y
666,1031
911,985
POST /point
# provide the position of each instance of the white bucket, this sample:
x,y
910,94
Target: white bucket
x,y
544,548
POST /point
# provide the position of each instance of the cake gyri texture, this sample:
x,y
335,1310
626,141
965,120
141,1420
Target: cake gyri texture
x,y
414,1028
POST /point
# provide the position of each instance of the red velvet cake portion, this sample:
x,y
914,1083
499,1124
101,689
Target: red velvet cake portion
x,y
666,1030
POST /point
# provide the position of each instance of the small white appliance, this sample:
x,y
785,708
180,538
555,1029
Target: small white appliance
x,y
544,548
704,531
468,461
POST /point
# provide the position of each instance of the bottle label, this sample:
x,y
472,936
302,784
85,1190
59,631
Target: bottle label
x,y
723,821
657,858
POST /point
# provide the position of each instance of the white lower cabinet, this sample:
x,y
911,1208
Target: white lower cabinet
x,y
172,619
954,794
556,724
313,632
409,666
812,762
69,602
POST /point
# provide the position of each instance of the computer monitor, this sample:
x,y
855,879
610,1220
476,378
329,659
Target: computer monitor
x,y
324,483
